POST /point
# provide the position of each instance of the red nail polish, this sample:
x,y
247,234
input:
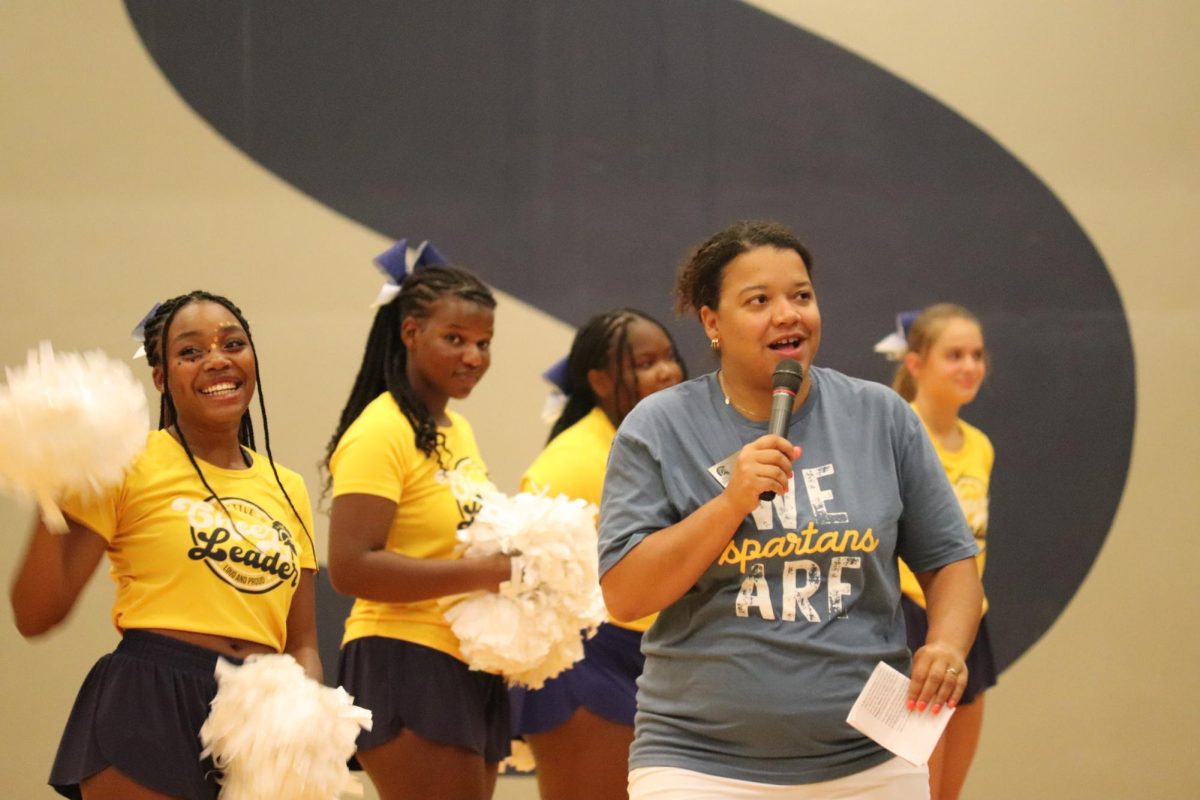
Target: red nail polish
x,y
911,705
936,708
951,704
921,706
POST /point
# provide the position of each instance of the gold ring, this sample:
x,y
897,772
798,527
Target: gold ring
x,y
952,671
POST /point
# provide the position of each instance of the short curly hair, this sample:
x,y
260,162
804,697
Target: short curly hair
x,y
698,283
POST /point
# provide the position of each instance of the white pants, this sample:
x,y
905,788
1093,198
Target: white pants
x,y
891,780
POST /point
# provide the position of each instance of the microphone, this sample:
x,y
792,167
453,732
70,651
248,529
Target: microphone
x,y
785,384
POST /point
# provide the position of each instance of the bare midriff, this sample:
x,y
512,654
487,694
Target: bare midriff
x,y
238,648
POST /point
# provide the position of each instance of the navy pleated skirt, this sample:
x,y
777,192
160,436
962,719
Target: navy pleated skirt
x,y
604,682
432,694
140,710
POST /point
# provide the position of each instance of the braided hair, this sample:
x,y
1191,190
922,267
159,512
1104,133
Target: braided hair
x,y
385,359
155,345
603,340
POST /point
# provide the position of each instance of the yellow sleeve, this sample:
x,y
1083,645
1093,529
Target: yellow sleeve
x,y
101,513
561,470
374,453
572,464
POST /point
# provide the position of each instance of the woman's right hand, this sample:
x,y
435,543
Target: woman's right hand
x,y
360,564
764,465
53,572
496,569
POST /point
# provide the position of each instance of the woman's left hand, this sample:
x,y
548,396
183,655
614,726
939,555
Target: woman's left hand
x,y
953,601
939,677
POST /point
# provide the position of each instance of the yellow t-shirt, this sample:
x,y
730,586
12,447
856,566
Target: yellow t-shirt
x,y
378,455
178,562
970,471
573,464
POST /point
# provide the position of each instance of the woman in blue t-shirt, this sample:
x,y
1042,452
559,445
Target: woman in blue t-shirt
x,y
774,612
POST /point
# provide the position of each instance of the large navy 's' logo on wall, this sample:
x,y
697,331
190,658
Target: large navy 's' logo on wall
x,y
571,152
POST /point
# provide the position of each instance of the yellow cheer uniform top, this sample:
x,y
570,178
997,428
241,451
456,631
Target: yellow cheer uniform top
x,y
970,472
378,455
573,464
180,563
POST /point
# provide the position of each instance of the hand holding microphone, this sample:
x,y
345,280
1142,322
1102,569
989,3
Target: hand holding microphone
x,y
785,385
767,461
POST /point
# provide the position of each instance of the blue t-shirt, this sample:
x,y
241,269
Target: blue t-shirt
x,y
750,675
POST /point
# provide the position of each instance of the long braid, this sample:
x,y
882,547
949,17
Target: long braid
x,y
385,358
602,341
155,344
262,410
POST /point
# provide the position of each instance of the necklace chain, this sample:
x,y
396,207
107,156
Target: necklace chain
x,y
729,400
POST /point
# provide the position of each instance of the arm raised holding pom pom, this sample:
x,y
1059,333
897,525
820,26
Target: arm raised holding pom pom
x,y
209,544
52,574
71,426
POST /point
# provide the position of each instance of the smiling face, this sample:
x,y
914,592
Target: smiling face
x,y
647,363
449,351
954,365
766,311
210,366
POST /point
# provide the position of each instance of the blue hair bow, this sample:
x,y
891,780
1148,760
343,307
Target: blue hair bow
x,y
139,331
556,374
556,401
398,261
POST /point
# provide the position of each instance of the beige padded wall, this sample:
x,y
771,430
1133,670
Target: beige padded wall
x,y
113,194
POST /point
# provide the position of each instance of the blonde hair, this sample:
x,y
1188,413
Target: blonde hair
x,y
925,330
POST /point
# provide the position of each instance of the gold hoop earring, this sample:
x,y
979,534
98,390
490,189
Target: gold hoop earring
x,y
715,344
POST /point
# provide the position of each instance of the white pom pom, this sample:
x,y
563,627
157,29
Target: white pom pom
x,y
275,732
521,760
529,631
70,424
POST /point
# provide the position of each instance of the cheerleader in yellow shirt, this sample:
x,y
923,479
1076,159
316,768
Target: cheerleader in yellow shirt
x,y
405,475
210,548
580,724
941,372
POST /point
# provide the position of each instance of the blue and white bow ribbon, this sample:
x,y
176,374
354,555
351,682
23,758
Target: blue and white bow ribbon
x,y
895,344
398,261
139,331
556,401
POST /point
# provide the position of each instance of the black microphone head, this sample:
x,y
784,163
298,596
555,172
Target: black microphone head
x,y
788,375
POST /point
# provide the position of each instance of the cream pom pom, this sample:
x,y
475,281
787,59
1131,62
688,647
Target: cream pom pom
x,y
275,732
521,760
529,631
70,424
